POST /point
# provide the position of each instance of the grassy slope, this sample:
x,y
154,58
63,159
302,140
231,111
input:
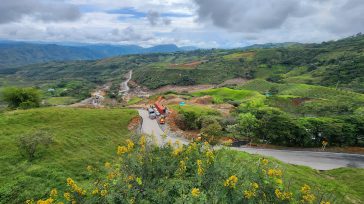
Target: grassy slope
x,y
345,184
82,137
60,100
225,94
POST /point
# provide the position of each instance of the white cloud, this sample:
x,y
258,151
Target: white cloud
x,y
204,23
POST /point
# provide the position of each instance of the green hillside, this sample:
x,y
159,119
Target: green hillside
x,y
336,64
81,137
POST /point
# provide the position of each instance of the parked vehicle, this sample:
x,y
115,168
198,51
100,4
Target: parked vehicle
x,y
152,116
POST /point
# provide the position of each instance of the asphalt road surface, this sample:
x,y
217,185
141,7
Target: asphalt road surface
x,y
315,160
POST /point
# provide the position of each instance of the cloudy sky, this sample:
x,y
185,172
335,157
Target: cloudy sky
x,y
202,23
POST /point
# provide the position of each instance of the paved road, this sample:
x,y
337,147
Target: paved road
x,y
315,160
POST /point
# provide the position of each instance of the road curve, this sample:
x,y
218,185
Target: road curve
x,y
315,160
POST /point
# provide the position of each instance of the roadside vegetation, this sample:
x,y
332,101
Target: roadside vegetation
x,y
175,173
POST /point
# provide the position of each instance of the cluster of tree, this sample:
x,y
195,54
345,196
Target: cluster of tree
x,y
270,125
23,98
273,126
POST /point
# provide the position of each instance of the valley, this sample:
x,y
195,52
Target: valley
x,y
283,104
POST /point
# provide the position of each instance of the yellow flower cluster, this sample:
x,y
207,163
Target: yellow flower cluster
x,y
231,181
122,150
142,141
195,192
252,192
274,172
103,192
283,195
53,193
182,167
264,161
177,151
111,175
199,167
307,196
67,196
75,188
191,147
210,156
324,202
107,165
95,191
125,149
249,194
130,144
48,201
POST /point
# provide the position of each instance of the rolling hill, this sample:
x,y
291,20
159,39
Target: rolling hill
x,y
15,54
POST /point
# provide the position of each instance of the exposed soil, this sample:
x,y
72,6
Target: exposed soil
x,y
236,81
181,89
134,123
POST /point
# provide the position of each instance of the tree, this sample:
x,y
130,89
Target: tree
x,y
246,125
29,144
23,98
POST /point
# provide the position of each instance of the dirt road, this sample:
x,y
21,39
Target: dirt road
x,y
315,160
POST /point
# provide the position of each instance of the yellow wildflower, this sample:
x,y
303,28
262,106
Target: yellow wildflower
x,y
130,144
305,189
103,192
29,202
70,182
195,192
67,196
199,168
111,175
177,151
107,165
279,181
278,193
89,168
142,141
287,196
122,150
325,202
210,156
95,191
182,166
274,172
265,161
53,193
231,181
309,198
255,185
48,201
248,194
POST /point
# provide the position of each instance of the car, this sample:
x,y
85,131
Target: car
x,y
150,110
152,116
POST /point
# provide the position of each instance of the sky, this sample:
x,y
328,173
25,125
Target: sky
x,y
201,23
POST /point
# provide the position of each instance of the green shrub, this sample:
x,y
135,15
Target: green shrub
x,y
145,173
30,144
23,98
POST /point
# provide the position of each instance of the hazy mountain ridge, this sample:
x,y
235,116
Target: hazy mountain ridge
x,y
15,54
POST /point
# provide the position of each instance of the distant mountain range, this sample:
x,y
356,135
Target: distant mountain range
x,y
14,53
